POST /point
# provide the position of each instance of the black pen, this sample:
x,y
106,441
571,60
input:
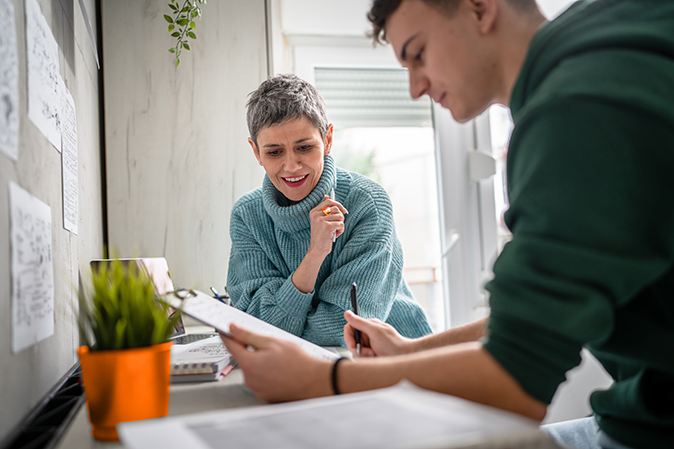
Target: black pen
x,y
354,305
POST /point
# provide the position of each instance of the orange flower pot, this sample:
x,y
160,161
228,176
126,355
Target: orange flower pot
x,y
125,385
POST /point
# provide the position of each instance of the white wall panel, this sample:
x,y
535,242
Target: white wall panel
x,y
176,138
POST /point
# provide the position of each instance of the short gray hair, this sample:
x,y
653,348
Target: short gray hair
x,y
282,98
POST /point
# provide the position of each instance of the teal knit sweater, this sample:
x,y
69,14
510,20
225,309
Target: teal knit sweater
x,y
270,238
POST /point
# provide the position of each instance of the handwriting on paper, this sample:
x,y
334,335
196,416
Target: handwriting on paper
x,y
210,350
69,163
44,79
32,269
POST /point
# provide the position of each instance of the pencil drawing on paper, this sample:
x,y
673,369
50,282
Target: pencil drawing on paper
x,y
32,269
44,80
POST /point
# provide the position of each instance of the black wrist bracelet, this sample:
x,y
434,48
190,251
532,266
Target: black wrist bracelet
x,y
335,389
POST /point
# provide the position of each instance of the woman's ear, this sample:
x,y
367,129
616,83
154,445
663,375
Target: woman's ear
x,y
256,152
328,140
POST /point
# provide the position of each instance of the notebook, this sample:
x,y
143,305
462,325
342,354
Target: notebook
x,y
201,377
157,269
207,360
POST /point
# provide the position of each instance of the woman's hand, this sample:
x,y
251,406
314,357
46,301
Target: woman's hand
x,y
327,220
376,338
277,370
324,225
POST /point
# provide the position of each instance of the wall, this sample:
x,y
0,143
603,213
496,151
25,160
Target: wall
x,y
27,376
176,138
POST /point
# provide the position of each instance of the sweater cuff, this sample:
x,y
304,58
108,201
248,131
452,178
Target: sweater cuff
x,y
536,358
292,301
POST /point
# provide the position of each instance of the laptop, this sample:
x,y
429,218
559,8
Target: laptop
x,y
157,269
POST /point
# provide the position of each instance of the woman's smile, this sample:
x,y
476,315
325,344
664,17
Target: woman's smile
x,y
295,181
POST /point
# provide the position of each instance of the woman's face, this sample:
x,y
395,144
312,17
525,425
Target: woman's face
x,y
292,155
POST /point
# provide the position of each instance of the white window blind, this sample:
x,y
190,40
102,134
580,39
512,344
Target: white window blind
x,y
371,98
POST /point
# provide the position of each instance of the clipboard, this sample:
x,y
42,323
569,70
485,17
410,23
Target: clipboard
x,y
217,314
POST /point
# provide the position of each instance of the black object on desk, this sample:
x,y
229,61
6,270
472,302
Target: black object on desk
x,y
354,305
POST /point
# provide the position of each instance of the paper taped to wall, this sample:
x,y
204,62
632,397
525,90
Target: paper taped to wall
x,y
9,83
42,59
32,269
69,163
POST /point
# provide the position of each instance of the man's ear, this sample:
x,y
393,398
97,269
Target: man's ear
x,y
485,13
256,152
328,140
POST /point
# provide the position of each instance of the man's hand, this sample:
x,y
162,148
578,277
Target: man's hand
x,y
376,338
277,370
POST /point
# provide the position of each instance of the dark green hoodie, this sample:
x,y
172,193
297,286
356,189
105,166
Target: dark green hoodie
x,y
591,188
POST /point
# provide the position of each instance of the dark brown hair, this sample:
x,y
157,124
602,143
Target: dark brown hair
x,y
381,10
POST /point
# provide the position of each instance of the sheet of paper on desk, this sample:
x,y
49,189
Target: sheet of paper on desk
x,y
214,313
403,416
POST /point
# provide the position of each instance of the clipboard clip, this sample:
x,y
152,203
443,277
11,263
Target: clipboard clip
x,y
183,293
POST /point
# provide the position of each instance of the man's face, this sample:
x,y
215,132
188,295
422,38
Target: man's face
x,y
292,155
448,58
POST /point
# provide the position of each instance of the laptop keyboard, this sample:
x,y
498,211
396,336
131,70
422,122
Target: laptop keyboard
x,y
191,338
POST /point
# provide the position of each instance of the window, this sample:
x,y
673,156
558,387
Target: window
x,y
377,125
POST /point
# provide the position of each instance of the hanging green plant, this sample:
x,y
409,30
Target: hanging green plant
x,y
181,25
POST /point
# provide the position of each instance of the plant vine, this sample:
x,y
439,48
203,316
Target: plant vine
x,y
183,20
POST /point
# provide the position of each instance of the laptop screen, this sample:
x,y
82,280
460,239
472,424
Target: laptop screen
x,y
157,269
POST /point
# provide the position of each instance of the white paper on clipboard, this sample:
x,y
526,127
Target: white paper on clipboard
x,y
214,313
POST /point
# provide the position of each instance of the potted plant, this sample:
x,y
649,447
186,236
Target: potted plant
x,y
126,358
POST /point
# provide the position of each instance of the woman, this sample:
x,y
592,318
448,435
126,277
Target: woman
x,y
295,250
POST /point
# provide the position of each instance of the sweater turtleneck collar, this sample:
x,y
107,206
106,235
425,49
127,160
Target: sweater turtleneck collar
x,y
295,218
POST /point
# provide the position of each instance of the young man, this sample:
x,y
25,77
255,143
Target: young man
x,y
591,262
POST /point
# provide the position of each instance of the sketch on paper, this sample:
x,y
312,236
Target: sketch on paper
x,y
44,79
32,269
9,83
69,163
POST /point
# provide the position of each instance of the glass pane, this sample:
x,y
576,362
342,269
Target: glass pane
x,y
501,127
402,160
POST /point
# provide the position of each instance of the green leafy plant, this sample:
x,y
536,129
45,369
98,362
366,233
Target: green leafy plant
x,y
120,309
181,25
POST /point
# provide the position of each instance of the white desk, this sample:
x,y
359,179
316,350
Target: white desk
x,y
187,398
